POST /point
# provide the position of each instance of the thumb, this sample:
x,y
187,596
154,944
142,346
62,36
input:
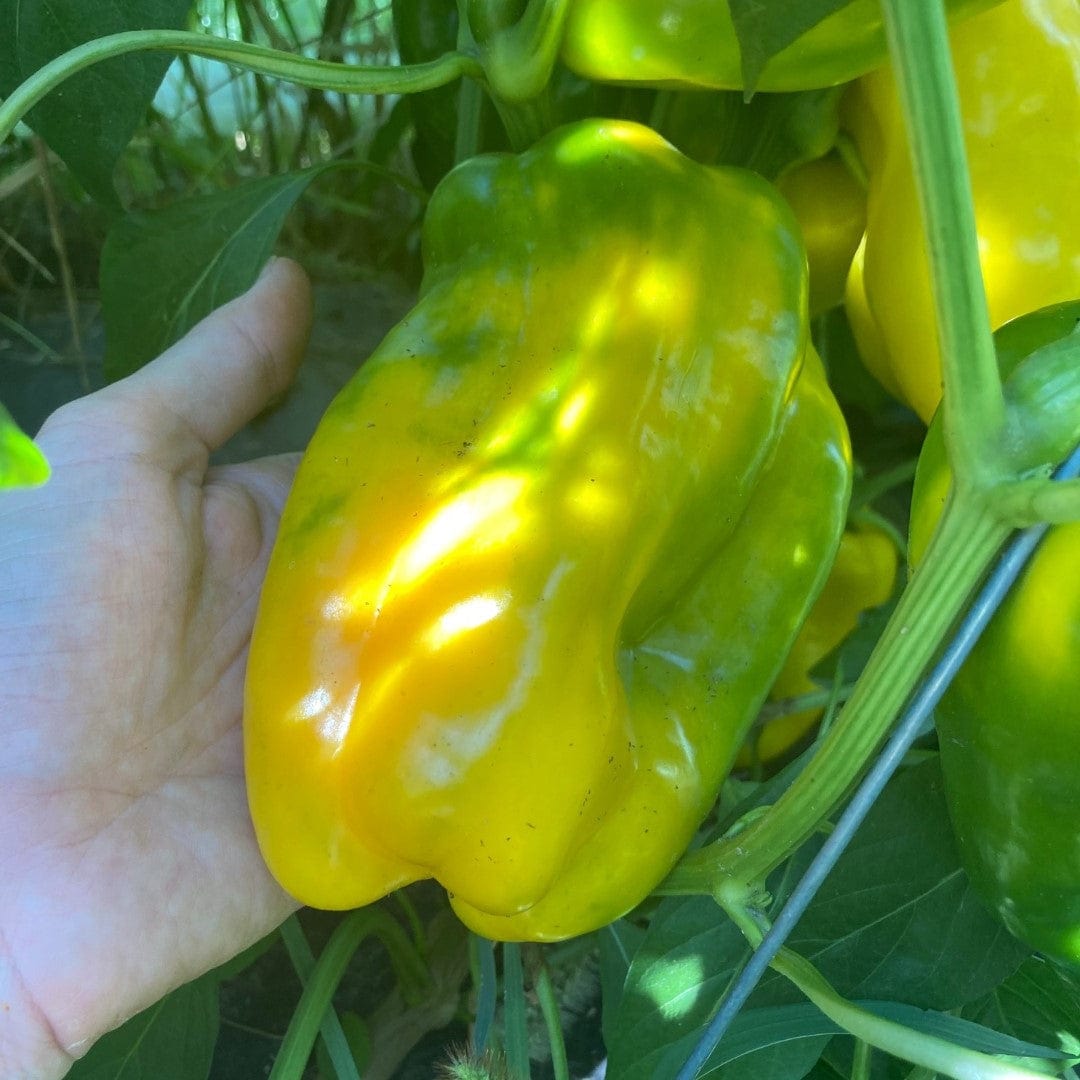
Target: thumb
x,y
204,388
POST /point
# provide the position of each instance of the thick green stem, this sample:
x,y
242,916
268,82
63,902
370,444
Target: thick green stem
x,y
316,74
482,963
939,1055
519,60
467,135
973,403
963,547
973,527
527,121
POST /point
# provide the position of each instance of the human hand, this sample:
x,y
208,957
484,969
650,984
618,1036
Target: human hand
x,y
128,588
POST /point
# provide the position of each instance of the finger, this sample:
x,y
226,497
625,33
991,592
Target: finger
x,y
225,371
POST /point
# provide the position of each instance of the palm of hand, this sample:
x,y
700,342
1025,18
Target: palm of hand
x,y
128,588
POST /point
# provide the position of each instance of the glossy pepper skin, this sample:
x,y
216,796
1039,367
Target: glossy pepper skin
x,y
862,578
692,43
546,552
1018,76
1008,732
830,206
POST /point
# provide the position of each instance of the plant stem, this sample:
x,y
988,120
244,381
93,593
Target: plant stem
x,y
864,1055
973,403
814,699
412,918
549,1006
519,60
868,490
963,546
333,1034
470,97
323,981
515,1022
1029,501
317,74
933,1053
525,122
482,955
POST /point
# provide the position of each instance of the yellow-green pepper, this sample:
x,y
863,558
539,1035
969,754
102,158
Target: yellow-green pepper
x,y
693,43
830,206
546,552
1018,76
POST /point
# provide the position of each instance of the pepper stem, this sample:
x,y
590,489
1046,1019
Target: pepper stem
x,y
304,71
944,1058
973,402
518,60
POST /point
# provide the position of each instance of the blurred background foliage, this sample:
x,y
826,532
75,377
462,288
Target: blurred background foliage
x,y
211,127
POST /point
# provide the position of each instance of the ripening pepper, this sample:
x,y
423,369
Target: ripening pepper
x,y
861,578
1008,732
547,550
693,43
1018,76
830,206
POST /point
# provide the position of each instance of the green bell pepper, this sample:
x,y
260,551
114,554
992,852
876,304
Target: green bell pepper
x,y
1010,744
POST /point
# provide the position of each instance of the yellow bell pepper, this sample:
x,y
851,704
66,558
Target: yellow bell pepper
x,y
830,206
1018,75
547,550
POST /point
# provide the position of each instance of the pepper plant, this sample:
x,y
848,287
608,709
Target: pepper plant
x,y
573,515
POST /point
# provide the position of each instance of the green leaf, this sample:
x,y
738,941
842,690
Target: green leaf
x,y
776,1043
780,1043
1018,339
618,941
164,270
676,976
896,920
766,27
1038,1003
22,464
90,119
963,1032
172,1040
